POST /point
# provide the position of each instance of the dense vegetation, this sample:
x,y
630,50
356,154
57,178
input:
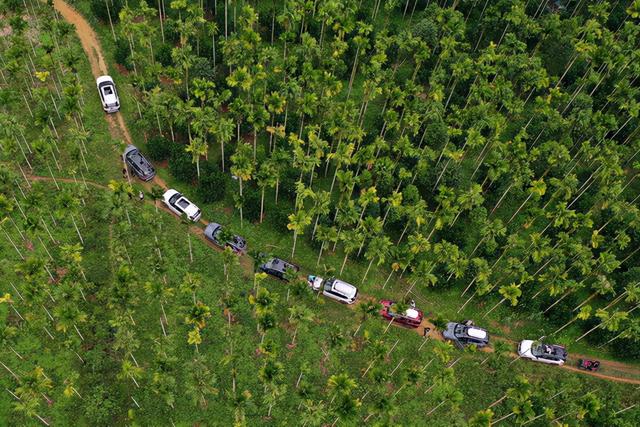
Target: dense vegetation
x,y
477,156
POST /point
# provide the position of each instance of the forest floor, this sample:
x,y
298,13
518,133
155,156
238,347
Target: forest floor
x,y
610,370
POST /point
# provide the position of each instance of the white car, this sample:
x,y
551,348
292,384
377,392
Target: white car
x,y
334,288
540,352
108,94
179,205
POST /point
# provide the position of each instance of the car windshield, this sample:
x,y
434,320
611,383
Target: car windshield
x,y
175,197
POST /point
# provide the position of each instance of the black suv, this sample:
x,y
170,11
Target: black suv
x,y
466,333
138,163
277,267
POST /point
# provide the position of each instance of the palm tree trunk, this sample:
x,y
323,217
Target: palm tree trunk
x,y
320,254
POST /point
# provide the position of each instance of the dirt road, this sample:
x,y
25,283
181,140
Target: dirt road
x,y
91,45
118,128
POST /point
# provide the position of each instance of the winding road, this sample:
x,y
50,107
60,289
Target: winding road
x,y
625,373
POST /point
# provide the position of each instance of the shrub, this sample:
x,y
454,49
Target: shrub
x,y
121,53
279,216
180,164
99,9
439,322
99,407
163,55
159,148
213,183
251,206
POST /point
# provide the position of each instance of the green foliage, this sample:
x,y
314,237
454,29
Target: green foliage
x,y
121,53
102,10
212,184
159,148
180,164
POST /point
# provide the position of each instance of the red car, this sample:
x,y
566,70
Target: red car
x,y
411,317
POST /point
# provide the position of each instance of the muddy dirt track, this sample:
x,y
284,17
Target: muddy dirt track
x,y
118,128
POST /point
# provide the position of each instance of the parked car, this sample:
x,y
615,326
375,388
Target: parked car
x,y
278,268
411,317
213,233
466,333
108,94
541,352
334,288
179,205
140,166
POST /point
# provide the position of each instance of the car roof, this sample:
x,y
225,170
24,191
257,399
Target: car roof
x,y
477,333
344,288
136,157
412,313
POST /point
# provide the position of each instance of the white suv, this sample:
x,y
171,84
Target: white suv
x,y
334,288
108,94
179,205
540,352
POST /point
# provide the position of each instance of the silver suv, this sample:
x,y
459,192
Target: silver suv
x,y
334,288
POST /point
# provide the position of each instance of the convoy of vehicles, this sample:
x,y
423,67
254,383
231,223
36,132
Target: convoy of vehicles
x,y
461,334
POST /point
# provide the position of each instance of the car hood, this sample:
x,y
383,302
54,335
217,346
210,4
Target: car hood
x,y
168,194
449,331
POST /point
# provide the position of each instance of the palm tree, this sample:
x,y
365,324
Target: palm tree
x,y
198,147
298,221
482,419
243,168
351,240
340,385
511,292
325,235
266,177
190,284
222,130
298,315
156,194
321,200
200,382
378,249
366,309
131,371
